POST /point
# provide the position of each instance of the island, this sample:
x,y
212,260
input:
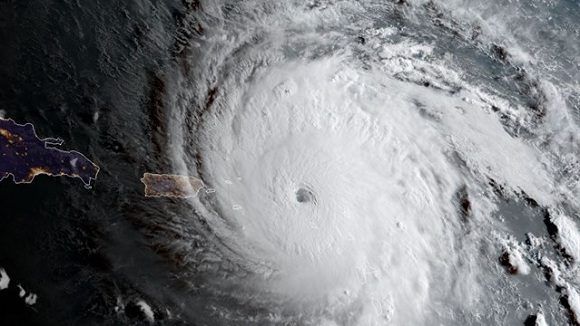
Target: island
x,y
23,156
170,185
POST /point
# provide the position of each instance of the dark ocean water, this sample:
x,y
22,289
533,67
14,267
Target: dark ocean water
x,y
475,159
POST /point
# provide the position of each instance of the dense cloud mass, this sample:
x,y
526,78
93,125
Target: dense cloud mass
x,y
394,162
370,160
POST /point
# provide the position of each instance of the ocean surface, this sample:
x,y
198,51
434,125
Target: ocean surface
x,y
399,162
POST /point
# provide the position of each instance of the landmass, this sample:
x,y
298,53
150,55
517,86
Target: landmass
x,y
170,185
23,156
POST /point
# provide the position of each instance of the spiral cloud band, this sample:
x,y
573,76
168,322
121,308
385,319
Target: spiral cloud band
x,y
362,172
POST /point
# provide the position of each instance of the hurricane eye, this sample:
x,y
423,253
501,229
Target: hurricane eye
x,y
304,195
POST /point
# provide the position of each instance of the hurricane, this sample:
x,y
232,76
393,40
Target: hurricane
x,y
378,162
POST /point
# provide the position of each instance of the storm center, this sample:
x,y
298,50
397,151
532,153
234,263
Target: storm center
x,y
304,195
